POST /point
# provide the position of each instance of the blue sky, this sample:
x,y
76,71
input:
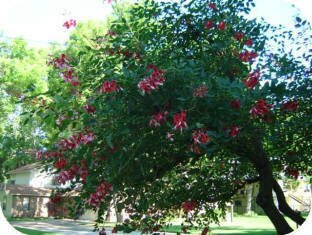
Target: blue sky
x,y
40,21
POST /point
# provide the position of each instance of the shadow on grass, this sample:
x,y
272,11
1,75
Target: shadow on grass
x,y
34,232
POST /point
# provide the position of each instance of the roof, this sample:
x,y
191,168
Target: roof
x,y
27,190
29,167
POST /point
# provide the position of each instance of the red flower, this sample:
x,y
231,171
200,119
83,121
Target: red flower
x,y
238,36
110,86
60,164
221,25
247,56
200,91
189,206
290,106
200,137
234,131
101,191
293,172
248,42
213,6
260,109
179,121
89,108
209,24
158,119
153,81
253,79
70,23
235,104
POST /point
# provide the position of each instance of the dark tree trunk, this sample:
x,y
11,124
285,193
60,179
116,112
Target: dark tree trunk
x,y
284,207
265,195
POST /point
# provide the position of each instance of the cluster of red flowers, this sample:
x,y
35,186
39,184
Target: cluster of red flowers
x,y
189,205
158,119
239,36
101,191
290,106
292,172
75,140
47,155
89,108
253,79
153,81
210,24
70,23
110,86
67,73
179,121
201,91
233,132
66,175
57,198
260,109
200,137
60,164
235,104
213,6
247,56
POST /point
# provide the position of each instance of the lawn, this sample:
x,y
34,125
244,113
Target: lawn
x,y
34,232
255,225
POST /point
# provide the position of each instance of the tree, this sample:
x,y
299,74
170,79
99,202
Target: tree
x,y
165,111
22,73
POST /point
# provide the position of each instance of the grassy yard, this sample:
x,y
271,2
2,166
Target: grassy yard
x,y
34,232
255,225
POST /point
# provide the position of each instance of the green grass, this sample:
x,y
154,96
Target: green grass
x,y
34,232
255,225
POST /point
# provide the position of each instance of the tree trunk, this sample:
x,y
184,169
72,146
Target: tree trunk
x,y
249,189
284,207
265,195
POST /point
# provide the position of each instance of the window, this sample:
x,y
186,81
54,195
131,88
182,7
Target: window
x,y
4,203
238,203
12,182
26,203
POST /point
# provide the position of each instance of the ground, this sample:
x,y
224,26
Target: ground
x,y
256,225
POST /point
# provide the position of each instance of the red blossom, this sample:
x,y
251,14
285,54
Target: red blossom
x,y
59,62
290,106
293,172
221,25
200,137
158,119
70,23
209,24
101,192
179,121
60,164
89,108
189,205
260,109
110,86
153,81
235,104
200,91
248,42
247,56
238,36
253,79
213,6
234,131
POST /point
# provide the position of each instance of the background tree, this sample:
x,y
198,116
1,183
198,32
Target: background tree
x,y
23,76
165,111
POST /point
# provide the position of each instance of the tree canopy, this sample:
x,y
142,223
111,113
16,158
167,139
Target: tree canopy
x,y
177,105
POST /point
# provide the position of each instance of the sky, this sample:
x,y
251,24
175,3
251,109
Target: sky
x,y
40,21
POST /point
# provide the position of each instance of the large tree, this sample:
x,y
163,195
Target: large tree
x,y
179,105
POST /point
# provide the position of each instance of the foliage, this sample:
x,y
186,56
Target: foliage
x,y
22,75
159,113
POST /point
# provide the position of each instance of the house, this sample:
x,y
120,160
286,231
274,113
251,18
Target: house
x,y
27,192
298,196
